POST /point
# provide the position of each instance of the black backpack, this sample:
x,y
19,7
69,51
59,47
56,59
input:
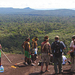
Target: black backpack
x,y
57,51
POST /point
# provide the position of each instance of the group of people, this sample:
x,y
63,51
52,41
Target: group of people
x,y
47,49
30,54
56,48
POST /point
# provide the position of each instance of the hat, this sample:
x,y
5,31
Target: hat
x,y
73,36
56,37
46,38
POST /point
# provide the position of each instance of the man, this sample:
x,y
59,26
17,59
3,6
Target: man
x,y
0,54
26,47
34,47
71,47
45,52
57,49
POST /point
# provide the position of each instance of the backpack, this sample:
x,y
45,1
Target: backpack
x,y
57,49
46,47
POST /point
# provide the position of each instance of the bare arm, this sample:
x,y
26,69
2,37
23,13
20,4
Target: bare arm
x,y
0,46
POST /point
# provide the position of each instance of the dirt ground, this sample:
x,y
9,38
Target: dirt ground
x,y
21,69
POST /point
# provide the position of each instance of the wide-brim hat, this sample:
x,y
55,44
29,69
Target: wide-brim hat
x,y
46,38
73,36
56,37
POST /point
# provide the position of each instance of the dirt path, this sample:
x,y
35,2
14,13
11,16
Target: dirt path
x,y
21,69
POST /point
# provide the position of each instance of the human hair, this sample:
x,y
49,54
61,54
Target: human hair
x,y
36,38
46,38
27,39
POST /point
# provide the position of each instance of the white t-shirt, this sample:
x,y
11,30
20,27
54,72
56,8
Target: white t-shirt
x,y
71,44
64,59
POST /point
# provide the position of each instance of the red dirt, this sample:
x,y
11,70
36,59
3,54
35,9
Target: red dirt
x,y
21,69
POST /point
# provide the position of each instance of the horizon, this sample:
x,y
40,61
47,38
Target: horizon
x,y
37,9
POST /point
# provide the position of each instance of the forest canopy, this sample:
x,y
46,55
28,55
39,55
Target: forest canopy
x,y
15,28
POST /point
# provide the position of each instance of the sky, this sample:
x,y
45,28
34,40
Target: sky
x,y
39,4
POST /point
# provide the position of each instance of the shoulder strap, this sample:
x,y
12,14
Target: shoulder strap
x,y
45,44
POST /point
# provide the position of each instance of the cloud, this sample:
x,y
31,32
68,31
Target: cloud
x,y
38,4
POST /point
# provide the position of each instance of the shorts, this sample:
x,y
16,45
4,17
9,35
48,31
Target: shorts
x,y
45,58
27,54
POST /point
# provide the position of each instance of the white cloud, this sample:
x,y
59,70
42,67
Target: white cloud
x,y
38,4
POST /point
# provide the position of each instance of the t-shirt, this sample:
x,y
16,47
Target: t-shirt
x,y
71,44
64,59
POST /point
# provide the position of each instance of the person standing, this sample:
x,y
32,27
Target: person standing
x,y
72,53
0,54
34,48
45,52
26,47
57,49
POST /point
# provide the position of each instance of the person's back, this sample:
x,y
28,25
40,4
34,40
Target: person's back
x,y
45,47
45,52
26,45
57,49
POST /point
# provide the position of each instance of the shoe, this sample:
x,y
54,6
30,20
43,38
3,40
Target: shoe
x,y
26,64
41,72
61,72
32,64
56,74
47,70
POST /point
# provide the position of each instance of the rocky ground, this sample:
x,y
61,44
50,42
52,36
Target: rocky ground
x,y
21,69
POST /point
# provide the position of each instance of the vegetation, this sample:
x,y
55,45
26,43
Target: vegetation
x,y
15,28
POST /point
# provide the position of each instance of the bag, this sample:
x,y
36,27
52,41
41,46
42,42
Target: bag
x,y
46,47
57,50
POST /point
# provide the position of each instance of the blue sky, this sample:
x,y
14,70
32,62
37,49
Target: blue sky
x,y
39,4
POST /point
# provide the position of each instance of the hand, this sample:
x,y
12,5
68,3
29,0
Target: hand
x,y
48,53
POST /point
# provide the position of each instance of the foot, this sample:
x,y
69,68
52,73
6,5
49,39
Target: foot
x,y
47,70
41,72
34,61
37,57
32,64
61,72
26,63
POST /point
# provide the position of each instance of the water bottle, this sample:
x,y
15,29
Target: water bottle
x,y
1,68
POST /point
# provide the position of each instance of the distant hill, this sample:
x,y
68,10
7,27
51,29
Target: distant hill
x,y
15,10
29,11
